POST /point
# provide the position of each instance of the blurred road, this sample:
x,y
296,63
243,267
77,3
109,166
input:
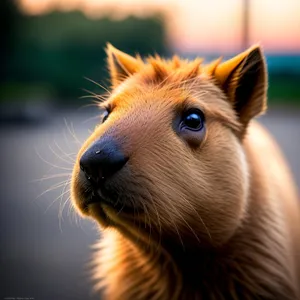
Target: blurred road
x,y
45,257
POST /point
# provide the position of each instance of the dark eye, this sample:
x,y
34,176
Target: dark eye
x,y
105,115
193,120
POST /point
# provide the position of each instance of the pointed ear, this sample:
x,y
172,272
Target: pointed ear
x,y
244,80
121,65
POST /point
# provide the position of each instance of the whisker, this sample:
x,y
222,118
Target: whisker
x,y
98,97
99,85
91,118
52,188
72,133
70,209
64,153
51,177
51,164
60,157
87,97
93,104
63,205
60,213
55,200
74,217
90,92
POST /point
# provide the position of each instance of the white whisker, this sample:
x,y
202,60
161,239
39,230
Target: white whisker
x,y
51,164
99,85
72,160
55,200
60,157
48,177
52,188
72,133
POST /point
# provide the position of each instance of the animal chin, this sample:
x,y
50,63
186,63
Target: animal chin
x,y
124,218
127,224
105,209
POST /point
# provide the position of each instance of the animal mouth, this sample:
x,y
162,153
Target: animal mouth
x,y
113,210
94,198
118,205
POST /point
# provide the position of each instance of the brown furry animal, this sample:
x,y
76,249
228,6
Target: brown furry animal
x,y
194,199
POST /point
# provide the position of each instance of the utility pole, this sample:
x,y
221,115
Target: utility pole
x,y
245,24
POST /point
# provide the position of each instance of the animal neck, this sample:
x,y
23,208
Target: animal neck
x,y
142,272
244,267
173,272
199,269
168,272
131,271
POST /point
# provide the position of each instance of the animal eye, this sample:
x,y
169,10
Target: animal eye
x,y
193,120
105,115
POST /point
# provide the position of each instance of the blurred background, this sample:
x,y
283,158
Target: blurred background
x,y
48,51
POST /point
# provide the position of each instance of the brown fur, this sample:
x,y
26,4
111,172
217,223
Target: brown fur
x,y
215,214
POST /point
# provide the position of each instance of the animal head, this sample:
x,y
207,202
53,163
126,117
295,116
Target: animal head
x,y
166,161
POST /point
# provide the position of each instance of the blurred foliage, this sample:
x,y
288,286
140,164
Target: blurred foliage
x,y
52,53
284,88
9,20
284,78
48,56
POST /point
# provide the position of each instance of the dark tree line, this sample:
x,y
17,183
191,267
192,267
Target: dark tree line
x,y
53,53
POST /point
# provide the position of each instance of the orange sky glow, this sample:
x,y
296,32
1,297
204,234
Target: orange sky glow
x,y
200,25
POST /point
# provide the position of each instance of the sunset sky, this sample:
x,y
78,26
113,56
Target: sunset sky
x,y
200,25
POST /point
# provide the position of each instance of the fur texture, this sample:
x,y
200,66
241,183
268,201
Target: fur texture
x,y
208,214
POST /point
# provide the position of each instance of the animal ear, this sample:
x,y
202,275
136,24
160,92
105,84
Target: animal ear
x,y
121,65
243,78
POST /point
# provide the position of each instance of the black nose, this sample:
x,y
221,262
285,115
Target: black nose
x,y
102,160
